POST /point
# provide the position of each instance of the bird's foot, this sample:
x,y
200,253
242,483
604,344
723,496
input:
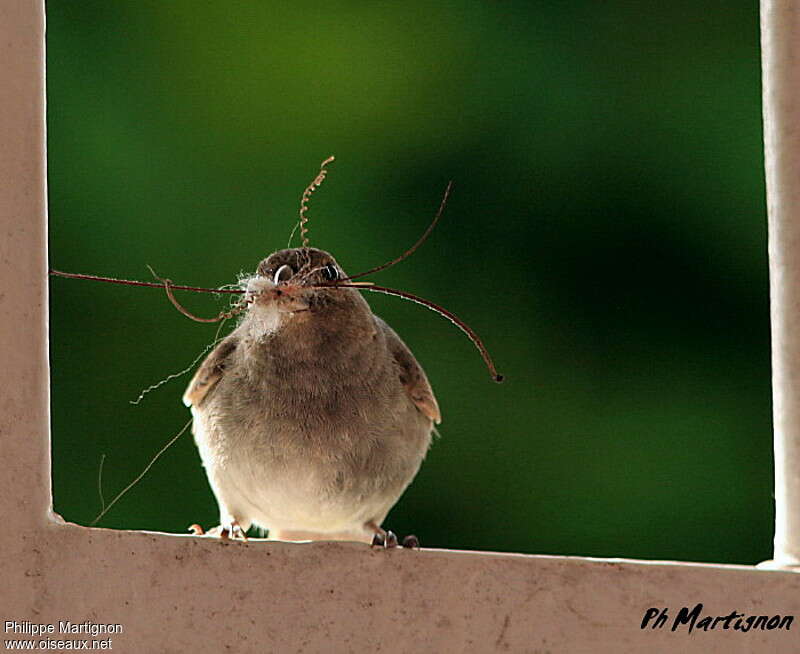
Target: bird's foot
x,y
384,539
411,542
387,539
233,531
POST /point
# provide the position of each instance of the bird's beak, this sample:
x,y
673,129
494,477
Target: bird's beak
x,y
286,297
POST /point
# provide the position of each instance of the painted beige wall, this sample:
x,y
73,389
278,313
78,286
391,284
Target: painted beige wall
x,y
182,593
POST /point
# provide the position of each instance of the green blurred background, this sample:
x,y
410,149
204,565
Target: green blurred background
x,y
605,235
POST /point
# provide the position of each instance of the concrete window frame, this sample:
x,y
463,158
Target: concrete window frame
x,y
177,592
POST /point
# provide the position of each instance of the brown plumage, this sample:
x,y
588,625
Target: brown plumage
x,y
312,416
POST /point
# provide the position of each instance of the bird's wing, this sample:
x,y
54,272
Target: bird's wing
x,y
209,372
412,376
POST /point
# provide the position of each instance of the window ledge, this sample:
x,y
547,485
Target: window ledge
x,y
171,592
185,593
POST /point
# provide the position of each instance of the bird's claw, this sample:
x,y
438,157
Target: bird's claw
x,y
233,531
411,542
386,540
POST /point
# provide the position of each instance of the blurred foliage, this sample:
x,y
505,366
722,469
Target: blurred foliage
x,y
606,235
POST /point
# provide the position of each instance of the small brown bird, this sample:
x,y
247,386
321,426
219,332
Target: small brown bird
x,y
312,417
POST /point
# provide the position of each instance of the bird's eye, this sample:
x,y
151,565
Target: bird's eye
x,y
283,274
330,273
